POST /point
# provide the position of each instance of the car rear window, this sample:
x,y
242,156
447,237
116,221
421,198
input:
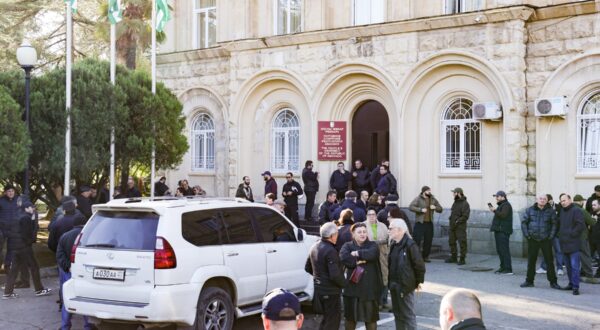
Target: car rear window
x,y
121,230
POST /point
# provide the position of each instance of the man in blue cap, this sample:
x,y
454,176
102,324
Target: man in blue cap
x,y
281,310
502,227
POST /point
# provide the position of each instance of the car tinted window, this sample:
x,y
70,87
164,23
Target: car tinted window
x,y
202,228
239,226
121,230
273,227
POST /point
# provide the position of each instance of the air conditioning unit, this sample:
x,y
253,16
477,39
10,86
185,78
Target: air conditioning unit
x,y
487,111
552,106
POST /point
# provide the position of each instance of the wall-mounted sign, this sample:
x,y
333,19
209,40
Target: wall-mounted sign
x,y
332,140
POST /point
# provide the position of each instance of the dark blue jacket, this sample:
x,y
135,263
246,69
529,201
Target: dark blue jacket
x,y
570,227
65,245
362,181
339,181
539,224
62,225
386,185
271,187
326,211
358,213
8,211
503,218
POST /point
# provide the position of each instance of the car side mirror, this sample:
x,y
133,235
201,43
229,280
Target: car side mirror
x,y
300,235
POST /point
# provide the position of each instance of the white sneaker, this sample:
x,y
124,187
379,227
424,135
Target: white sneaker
x,y
540,271
560,272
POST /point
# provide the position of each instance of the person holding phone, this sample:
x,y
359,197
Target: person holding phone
x,y
502,229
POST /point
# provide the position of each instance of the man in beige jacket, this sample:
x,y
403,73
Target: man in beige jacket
x,y
378,232
424,205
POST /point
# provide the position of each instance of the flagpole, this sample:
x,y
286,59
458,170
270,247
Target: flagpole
x,y
113,74
67,190
153,60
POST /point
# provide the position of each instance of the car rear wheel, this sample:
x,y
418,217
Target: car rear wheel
x,y
215,310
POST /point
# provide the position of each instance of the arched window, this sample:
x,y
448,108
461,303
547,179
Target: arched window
x,y
285,141
203,143
461,138
588,134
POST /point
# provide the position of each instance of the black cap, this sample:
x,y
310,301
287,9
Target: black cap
x,y
27,204
424,189
500,193
266,173
281,305
350,194
84,189
391,198
457,190
597,188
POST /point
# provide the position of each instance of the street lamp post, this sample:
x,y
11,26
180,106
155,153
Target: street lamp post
x,y
27,58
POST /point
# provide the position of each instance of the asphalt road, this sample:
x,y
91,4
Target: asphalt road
x,y
505,304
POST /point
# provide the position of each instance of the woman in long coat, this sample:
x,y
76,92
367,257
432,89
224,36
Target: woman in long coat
x,y
361,299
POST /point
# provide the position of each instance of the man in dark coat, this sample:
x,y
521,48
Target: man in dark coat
x,y
539,226
22,237
160,187
270,183
361,177
310,179
387,182
339,181
502,229
570,228
376,175
324,265
459,214
244,190
84,205
131,190
460,309
585,256
328,208
594,197
291,191
595,234
8,215
350,203
391,202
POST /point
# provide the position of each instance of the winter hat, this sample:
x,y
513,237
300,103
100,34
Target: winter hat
x,y
578,198
597,188
27,204
457,190
391,199
424,189
350,194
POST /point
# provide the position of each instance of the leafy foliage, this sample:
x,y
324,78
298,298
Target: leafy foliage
x,y
14,140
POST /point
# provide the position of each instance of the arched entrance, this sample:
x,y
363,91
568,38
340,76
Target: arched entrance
x,y
370,134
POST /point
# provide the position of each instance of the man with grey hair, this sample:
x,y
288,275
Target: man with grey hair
x,y
460,309
324,265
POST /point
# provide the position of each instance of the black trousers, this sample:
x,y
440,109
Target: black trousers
x,y
503,250
291,211
458,233
23,257
533,248
310,204
332,311
423,235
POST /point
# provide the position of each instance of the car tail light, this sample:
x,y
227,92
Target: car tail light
x,y
74,248
164,255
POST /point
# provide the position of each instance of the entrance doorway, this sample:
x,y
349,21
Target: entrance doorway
x,y
370,134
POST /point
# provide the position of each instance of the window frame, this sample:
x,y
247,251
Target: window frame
x,y
295,168
257,219
458,6
444,123
194,133
580,118
197,12
371,20
288,28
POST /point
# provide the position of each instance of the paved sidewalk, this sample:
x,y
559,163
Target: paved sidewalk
x,y
505,304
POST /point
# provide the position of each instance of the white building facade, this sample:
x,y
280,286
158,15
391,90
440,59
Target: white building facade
x,y
412,80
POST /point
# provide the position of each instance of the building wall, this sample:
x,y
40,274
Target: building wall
x,y
413,68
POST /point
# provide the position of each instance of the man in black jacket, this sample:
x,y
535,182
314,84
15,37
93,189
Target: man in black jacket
x,y
324,265
328,208
459,215
291,191
8,215
311,186
84,205
63,259
594,197
460,309
63,224
244,190
570,228
502,229
375,173
539,227
22,237
361,177
339,181
595,234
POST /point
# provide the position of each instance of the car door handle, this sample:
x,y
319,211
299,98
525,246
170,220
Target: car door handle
x,y
271,251
232,254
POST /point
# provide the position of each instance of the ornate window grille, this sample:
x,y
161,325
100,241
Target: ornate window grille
x,y
204,32
285,148
588,134
369,11
461,138
203,143
288,16
463,6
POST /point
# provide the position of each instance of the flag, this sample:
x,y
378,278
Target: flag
x,y
162,14
72,4
115,14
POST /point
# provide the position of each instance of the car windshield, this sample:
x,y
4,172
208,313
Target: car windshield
x,y
121,230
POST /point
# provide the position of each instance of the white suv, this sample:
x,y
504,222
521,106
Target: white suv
x,y
185,262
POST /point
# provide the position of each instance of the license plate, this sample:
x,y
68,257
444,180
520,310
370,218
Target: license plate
x,y
109,274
